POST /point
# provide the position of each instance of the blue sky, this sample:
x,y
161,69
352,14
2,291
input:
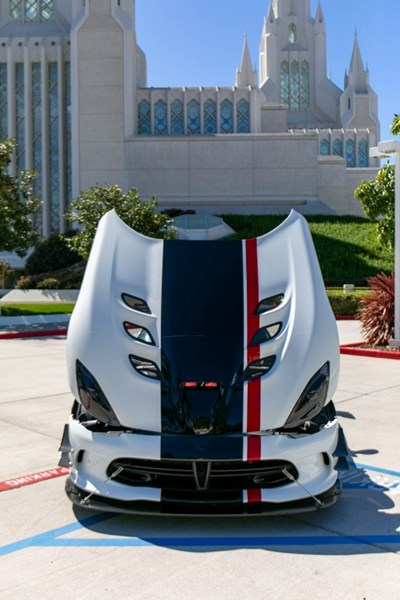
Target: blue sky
x,y
199,42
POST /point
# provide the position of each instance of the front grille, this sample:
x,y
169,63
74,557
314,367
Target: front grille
x,y
201,476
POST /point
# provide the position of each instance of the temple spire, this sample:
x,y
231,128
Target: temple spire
x,y
245,74
358,76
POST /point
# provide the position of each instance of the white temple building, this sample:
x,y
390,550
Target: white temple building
x,y
74,95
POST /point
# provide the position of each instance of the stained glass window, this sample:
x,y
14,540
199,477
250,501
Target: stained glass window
x,y
294,86
193,117
305,86
362,153
210,117
177,123
160,118
350,153
54,153
37,161
3,102
243,116
31,10
338,147
285,83
46,9
68,133
324,147
144,118
292,33
20,115
226,117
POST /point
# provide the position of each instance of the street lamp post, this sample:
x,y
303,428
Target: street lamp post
x,y
392,148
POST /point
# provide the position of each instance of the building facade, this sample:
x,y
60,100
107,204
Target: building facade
x,y
74,95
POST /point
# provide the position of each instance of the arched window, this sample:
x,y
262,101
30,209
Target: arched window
x,y
144,118
31,10
226,117
210,117
243,116
54,152
193,117
20,115
292,33
177,124
285,83
160,118
3,102
362,153
294,86
324,147
350,153
338,147
305,86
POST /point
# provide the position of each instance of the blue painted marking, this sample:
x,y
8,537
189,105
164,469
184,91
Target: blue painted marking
x,y
377,469
52,538
44,539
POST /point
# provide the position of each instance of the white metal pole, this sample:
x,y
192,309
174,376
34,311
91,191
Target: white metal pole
x,y
397,250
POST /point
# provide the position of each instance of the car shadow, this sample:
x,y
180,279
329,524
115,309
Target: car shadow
x,y
358,524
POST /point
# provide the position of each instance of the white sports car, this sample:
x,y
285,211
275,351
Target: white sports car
x,y
203,376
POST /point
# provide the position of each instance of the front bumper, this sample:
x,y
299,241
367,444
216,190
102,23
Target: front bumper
x,y
92,484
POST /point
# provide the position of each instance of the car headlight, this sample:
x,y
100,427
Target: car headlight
x,y
312,399
92,396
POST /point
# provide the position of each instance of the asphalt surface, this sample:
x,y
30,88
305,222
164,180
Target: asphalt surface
x,y
50,551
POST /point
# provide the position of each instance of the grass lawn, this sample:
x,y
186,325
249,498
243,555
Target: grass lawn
x,y
16,310
347,247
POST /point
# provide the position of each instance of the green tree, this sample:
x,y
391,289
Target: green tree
x,y
377,199
92,204
395,127
16,205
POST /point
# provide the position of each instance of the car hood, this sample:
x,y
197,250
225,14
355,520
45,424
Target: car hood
x,y
201,323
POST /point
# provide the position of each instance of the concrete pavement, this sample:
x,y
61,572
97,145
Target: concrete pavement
x,y
48,550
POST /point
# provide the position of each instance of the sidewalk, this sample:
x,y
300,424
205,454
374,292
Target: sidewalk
x,y
33,326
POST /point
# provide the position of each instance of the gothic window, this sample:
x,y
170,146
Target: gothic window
x,y
305,86
350,153
20,115
68,125
210,117
193,117
324,147
338,147
226,117
294,86
31,10
160,118
292,34
243,117
285,83
3,102
362,154
54,153
37,158
144,118
177,124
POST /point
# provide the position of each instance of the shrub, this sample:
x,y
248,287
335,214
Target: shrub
x,y
50,283
25,283
51,254
376,311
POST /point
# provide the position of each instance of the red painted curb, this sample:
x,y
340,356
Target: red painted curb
x,y
31,334
17,482
345,318
357,350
